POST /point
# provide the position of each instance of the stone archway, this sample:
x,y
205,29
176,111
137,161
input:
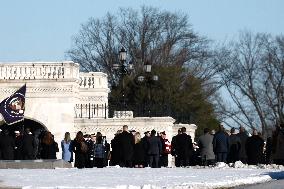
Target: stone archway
x,y
34,125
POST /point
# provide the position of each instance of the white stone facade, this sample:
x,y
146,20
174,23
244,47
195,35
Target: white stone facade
x,y
63,99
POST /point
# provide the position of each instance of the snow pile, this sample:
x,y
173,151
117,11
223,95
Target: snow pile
x,y
271,166
221,165
126,178
238,164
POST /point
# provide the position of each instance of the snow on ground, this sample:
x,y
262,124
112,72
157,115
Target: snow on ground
x,y
134,178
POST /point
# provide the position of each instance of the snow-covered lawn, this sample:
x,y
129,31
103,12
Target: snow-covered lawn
x,y
147,178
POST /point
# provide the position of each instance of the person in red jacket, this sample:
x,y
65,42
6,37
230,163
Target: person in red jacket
x,y
166,150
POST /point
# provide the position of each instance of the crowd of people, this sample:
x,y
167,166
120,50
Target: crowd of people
x,y
231,147
130,149
27,145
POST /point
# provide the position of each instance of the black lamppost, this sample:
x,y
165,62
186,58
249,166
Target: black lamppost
x,y
123,68
148,79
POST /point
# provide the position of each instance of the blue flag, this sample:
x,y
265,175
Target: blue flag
x,y
13,107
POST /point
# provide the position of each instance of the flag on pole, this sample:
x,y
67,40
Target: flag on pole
x,y
13,107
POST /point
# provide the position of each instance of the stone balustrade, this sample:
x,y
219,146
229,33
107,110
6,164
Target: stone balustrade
x,y
39,70
52,71
93,80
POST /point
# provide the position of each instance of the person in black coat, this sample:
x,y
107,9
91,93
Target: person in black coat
x,y
174,149
221,145
139,153
235,146
90,154
243,137
115,153
48,147
29,145
154,149
18,145
126,145
183,147
7,145
80,148
144,141
254,148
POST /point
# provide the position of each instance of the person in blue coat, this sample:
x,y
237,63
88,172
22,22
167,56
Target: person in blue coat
x,y
221,145
67,154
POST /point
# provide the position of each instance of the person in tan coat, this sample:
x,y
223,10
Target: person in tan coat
x,y
205,143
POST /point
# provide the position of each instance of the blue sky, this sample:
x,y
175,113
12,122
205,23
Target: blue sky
x,y
41,30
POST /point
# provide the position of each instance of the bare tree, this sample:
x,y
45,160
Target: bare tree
x,y
160,37
251,70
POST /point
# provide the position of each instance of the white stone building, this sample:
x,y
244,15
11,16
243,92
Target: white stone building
x,y
60,98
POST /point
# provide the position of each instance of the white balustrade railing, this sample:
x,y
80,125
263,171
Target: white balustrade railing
x,y
52,71
93,80
39,70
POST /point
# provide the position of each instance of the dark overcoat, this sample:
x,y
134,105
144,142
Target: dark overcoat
x,y
243,137
154,146
80,156
7,145
29,146
221,142
126,145
254,149
48,151
183,145
139,154
115,151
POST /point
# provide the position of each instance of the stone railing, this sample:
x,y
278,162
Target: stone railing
x,y
39,70
93,80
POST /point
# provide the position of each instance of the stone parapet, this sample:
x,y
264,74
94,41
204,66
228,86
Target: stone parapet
x,y
109,127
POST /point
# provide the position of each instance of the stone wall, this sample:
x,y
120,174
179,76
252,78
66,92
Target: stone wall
x,y
109,127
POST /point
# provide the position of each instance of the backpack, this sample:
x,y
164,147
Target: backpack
x,y
99,151
84,147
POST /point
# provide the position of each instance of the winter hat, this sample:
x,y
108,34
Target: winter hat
x,y
17,132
